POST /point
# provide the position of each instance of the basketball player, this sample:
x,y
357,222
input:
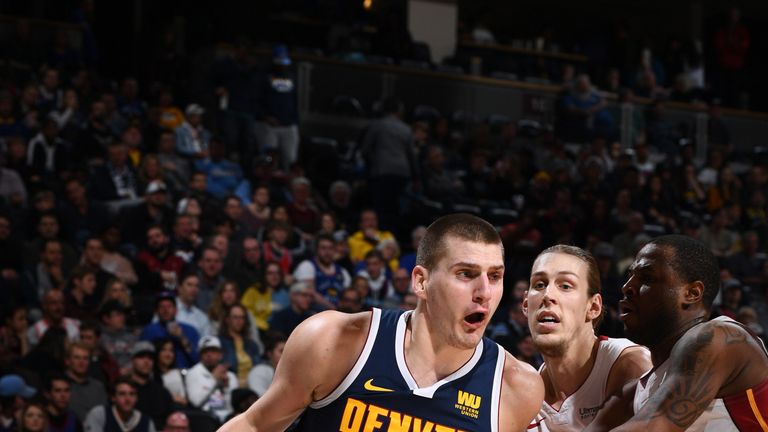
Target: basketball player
x,y
708,375
564,306
425,370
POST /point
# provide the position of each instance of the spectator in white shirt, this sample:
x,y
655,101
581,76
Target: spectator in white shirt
x,y
261,375
186,311
210,383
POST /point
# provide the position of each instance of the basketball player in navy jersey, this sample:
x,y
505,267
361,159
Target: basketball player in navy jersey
x,y
564,306
708,375
424,370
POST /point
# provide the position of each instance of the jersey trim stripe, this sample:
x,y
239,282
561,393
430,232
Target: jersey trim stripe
x,y
361,360
501,358
756,410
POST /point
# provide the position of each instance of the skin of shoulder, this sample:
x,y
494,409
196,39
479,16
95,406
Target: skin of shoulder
x,y
317,356
712,360
522,393
631,364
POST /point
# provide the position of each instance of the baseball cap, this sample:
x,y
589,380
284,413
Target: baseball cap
x,y
208,342
14,385
142,347
298,287
193,109
165,295
155,186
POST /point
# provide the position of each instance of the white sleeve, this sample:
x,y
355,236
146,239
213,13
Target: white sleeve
x,y
259,378
198,387
304,271
95,420
173,383
347,279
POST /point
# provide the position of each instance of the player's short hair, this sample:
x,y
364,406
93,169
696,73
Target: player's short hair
x,y
432,247
594,286
693,261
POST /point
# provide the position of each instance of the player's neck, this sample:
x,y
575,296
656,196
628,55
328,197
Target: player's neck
x,y
563,375
429,357
661,350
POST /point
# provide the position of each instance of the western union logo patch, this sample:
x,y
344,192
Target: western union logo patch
x,y
468,404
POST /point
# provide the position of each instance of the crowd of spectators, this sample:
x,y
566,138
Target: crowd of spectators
x,y
155,255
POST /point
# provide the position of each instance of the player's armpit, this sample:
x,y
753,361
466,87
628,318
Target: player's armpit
x,y
522,394
616,409
702,362
311,366
633,363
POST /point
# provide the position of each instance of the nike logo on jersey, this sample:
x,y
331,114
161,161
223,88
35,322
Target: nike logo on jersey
x,y
370,387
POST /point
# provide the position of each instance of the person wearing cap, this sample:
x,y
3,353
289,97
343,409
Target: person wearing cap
x,y
13,392
153,399
184,336
279,104
302,295
210,383
192,138
153,210
58,393
115,337
121,414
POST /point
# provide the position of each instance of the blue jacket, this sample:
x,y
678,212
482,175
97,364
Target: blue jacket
x,y
184,360
230,356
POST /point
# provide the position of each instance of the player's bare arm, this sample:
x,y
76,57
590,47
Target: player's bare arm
x,y
713,360
616,409
522,394
317,357
631,364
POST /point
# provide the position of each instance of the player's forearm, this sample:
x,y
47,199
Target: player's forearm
x,y
239,424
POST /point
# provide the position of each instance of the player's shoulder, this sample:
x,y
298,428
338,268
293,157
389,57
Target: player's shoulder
x,y
519,374
331,326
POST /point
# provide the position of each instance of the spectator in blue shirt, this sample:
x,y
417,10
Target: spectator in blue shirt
x,y
184,336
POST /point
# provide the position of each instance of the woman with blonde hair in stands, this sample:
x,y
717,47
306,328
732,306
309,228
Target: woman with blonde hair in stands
x,y
116,289
228,294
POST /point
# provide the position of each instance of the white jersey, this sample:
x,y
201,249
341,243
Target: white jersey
x,y
580,408
718,415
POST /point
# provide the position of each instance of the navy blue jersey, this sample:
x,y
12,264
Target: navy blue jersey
x,y
379,393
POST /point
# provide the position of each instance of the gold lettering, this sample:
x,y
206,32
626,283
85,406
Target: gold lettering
x,y
398,423
440,428
353,415
372,423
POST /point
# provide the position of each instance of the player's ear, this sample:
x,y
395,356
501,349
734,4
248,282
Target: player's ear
x,y
420,276
595,307
524,305
693,293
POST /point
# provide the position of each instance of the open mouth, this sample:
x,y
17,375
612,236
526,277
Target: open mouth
x,y
475,318
625,308
548,318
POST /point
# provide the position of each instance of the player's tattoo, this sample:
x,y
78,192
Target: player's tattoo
x,y
690,392
733,334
